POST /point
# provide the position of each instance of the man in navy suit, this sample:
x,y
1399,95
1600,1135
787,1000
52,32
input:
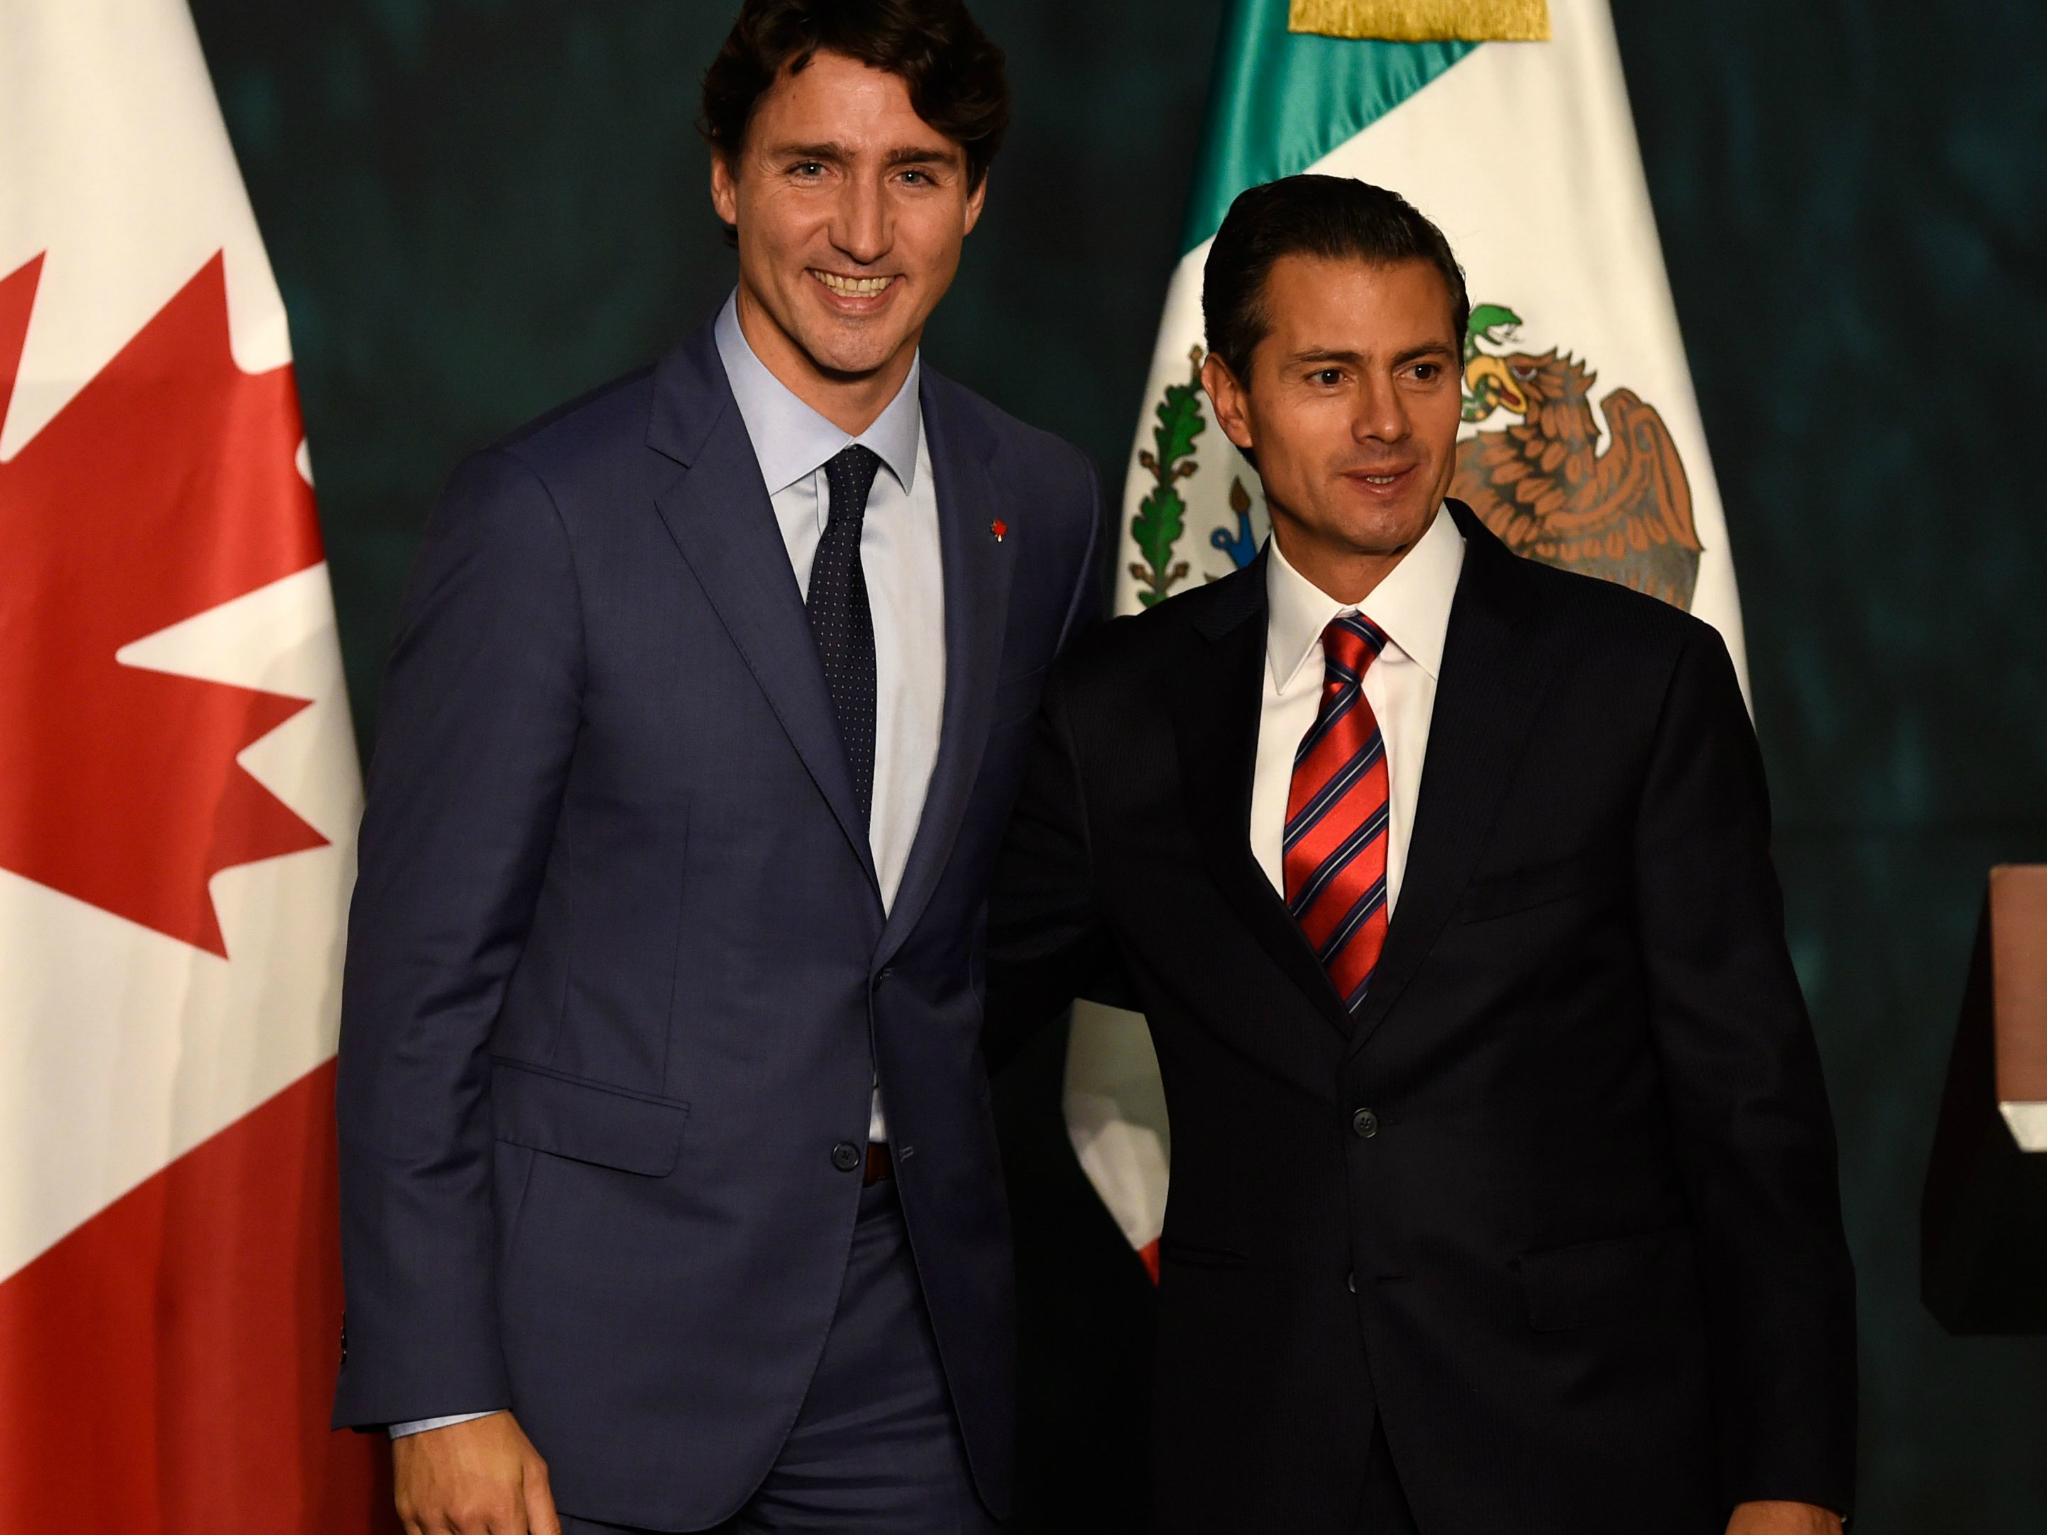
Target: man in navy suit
x,y
670,1192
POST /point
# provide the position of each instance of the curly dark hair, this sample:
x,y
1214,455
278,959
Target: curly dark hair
x,y
954,73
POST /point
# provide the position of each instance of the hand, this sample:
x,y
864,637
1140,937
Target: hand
x,y
1761,1515
483,1475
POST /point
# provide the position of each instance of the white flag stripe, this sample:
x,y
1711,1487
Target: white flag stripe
x,y
1116,1118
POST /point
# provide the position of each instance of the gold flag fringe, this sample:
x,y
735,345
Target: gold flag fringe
x,y
1423,21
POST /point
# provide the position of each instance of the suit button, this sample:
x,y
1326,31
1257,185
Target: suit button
x,y
846,1157
1365,1124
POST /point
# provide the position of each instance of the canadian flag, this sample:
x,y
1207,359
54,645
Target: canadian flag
x,y
178,800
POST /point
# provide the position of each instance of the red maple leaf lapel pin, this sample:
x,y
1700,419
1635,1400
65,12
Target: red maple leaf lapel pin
x,y
999,528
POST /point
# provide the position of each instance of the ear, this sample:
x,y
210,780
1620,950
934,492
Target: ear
x,y
1227,401
725,190
974,201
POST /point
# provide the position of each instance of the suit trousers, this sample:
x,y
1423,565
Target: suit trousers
x,y
875,1445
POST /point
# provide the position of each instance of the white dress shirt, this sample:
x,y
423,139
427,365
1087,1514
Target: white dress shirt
x,y
1412,607
899,556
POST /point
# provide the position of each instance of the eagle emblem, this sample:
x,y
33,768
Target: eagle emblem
x,y
1545,486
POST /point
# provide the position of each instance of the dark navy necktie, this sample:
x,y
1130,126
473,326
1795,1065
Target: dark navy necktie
x,y
840,620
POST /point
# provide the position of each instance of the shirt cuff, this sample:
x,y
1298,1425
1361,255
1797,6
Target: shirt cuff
x,y
416,1426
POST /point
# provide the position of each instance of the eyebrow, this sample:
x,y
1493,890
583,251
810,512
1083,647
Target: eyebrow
x,y
1355,359
906,154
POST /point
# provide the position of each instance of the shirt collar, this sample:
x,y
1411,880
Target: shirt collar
x,y
1411,605
790,439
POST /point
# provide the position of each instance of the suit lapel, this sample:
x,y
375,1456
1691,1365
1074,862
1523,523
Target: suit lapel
x,y
1492,684
719,515
1216,722
976,569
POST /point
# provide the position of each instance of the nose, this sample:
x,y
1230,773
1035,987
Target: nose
x,y
1382,415
860,224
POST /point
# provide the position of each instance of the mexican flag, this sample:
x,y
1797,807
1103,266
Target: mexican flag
x,y
1506,122
178,801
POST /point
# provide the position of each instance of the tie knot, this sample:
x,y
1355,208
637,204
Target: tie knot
x,y
851,474
1350,642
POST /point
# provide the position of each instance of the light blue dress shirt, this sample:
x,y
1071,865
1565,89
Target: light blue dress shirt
x,y
899,556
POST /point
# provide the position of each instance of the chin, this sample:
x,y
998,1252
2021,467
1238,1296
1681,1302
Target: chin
x,y
1385,535
837,351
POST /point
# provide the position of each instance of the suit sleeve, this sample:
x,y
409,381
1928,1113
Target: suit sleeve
x,y
1751,1125
480,711
1086,606
1047,940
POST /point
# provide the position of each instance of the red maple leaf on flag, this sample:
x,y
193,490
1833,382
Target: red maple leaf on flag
x,y
165,488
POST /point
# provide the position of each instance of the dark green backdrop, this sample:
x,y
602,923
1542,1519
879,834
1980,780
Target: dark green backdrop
x,y
477,209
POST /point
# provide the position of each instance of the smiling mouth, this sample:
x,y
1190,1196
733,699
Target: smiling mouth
x,y
851,287
1378,477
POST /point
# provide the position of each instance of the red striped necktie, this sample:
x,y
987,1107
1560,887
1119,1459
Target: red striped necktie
x,y
1334,853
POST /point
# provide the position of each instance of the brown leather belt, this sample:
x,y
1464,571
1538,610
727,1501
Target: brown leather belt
x,y
879,1166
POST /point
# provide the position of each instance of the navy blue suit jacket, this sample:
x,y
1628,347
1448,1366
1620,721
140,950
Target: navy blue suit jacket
x,y
618,970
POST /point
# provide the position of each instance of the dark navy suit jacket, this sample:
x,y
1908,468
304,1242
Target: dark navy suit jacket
x,y
618,971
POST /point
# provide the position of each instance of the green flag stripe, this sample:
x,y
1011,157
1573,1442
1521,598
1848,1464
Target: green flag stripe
x,y
1280,101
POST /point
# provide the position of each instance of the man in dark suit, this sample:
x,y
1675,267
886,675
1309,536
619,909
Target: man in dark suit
x,y
1503,1183
661,1030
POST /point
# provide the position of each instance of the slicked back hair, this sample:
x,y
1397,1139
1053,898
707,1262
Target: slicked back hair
x,y
1332,217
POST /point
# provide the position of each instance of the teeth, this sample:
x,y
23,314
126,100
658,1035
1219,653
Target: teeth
x,y
853,287
1381,479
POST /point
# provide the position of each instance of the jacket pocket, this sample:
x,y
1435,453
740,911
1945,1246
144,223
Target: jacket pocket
x,y
1602,1281
1200,1255
1534,886
590,1122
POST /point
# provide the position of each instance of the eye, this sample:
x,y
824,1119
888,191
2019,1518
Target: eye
x,y
807,168
922,178
1329,378
1428,372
